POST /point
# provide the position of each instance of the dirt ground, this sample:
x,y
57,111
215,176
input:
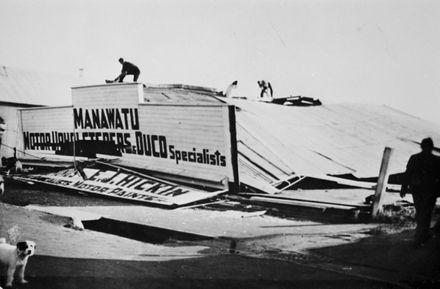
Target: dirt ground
x,y
98,263
68,258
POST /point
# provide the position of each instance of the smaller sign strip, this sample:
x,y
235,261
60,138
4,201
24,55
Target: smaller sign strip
x,y
123,185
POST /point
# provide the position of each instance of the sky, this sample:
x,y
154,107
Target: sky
x,y
375,51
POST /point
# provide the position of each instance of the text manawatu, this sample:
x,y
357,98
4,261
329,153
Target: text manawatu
x,y
121,126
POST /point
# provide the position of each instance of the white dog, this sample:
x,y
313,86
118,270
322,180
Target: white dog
x,y
15,257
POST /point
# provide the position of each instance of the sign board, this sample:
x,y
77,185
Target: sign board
x,y
123,185
189,141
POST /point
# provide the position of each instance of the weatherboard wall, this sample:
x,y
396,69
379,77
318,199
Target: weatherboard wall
x,y
48,119
43,128
9,140
113,95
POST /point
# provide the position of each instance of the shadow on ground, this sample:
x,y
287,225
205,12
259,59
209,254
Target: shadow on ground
x,y
227,271
394,255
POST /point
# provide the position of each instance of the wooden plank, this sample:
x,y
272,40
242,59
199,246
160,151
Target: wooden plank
x,y
381,183
329,200
304,203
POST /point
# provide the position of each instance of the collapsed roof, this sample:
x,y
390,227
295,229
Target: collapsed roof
x,y
277,142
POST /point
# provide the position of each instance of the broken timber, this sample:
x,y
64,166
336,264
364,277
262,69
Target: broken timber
x,y
381,183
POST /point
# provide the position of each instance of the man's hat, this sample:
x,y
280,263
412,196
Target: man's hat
x,y
427,144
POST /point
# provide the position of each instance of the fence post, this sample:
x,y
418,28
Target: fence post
x,y
382,182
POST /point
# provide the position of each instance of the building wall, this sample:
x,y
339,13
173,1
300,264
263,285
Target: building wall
x,y
192,141
12,136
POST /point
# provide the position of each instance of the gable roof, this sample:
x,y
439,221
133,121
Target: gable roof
x,y
23,86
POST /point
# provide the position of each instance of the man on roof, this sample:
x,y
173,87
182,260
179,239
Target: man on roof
x,y
128,68
266,93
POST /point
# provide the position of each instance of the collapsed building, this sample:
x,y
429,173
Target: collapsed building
x,y
197,137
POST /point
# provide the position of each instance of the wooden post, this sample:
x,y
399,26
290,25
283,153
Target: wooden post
x,y
381,182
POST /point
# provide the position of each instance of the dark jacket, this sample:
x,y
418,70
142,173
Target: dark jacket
x,y
129,68
422,173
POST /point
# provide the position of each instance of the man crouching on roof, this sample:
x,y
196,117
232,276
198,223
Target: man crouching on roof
x,y
128,69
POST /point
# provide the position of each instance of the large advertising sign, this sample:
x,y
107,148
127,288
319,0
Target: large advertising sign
x,y
194,141
121,126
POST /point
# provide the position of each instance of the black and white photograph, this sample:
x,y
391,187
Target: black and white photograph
x,y
219,144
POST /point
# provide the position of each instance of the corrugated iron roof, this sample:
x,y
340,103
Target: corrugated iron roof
x,y
23,86
332,139
180,94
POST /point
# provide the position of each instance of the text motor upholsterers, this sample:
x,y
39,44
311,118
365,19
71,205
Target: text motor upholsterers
x,y
122,127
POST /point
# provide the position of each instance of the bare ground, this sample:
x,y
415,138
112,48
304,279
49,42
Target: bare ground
x,y
319,257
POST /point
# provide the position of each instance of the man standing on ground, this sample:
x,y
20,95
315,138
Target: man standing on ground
x,y
422,179
128,68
